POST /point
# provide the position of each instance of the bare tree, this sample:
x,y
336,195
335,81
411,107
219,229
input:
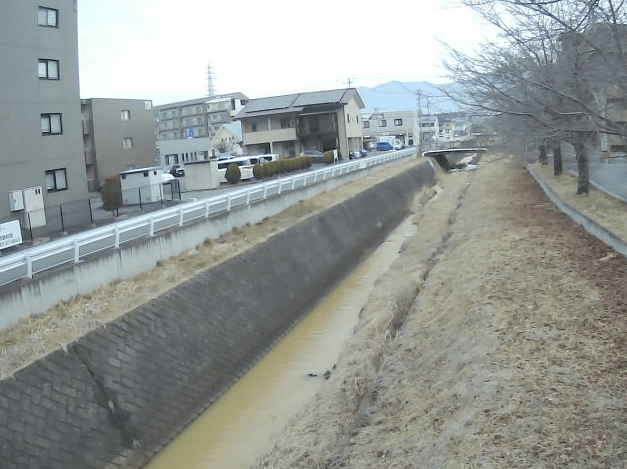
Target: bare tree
x,y
557,69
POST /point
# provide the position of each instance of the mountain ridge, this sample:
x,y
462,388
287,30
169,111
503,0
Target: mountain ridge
x,y
400,96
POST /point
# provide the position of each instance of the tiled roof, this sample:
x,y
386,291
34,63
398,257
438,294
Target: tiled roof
x,y
296,103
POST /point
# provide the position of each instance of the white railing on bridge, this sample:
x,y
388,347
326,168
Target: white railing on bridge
x,y
73,248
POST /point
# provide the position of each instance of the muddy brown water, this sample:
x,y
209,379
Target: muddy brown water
x,y
240,425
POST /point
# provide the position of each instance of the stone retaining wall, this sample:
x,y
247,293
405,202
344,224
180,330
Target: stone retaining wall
x,y
121,392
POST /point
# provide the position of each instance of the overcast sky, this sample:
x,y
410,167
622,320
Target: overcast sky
x,y
160,49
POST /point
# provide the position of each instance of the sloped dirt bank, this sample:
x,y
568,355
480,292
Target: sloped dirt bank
x,y
495,340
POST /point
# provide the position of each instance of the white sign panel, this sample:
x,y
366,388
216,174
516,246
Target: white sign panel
x,y
10,234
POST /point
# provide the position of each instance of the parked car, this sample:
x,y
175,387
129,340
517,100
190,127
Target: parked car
x,y
315,155
175,170
312,153
384,146
166,177
363,153
354,154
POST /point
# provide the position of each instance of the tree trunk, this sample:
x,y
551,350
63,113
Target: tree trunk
x,y
581,153
543,159
557,160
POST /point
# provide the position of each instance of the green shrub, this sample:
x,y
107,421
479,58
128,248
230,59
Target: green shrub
x,y
233,174
270,169
259,170
327,157
282,165
111,194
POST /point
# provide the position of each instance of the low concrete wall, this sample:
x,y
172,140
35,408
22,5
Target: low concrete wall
x,y
34,296
121,392
592,227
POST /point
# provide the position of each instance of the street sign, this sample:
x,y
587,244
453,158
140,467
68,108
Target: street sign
x,y
10,234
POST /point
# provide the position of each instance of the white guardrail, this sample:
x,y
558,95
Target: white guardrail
x,y
73,248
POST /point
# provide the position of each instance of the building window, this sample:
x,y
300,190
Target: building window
x,y
398,122
383,123
48,69
51,124
125,115
253,127
348,118
48,17
286,123
56,180
127,142
366,124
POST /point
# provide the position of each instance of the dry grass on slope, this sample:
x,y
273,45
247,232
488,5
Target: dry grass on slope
x,y
512,355
62,324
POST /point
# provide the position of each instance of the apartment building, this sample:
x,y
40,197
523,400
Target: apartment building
x,y
402,125
197,118
118,135
41,143
287,125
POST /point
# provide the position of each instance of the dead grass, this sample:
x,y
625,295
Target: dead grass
x,y
35,336
511,355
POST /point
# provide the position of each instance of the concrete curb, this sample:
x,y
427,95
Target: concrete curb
x,y
591,226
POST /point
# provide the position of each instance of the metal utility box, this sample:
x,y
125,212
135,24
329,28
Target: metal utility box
x,y
16,201
34,213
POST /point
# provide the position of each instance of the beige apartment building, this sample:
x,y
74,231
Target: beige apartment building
x,y
118,135
402,125
290,124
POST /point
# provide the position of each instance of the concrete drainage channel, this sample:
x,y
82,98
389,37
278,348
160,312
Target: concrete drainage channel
x,y
120,393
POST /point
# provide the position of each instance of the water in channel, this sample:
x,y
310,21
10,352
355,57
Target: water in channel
x,y
239,425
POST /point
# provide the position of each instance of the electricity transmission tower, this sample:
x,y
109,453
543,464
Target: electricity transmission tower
x,y
211,92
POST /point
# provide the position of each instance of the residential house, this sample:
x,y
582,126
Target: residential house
x,y
429,131
118,134
453,127
229,138
287,125
41,142
402,125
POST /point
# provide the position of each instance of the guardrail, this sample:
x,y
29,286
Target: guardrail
x,y
72,249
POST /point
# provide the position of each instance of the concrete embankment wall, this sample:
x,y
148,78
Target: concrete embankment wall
x,y
34,296
121,392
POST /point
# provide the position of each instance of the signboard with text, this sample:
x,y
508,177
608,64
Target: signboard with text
x,y
10,234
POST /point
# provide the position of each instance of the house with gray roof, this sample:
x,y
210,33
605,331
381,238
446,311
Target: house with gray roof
x,y
290,124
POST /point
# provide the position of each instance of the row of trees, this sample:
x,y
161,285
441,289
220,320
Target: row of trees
x,y
556,72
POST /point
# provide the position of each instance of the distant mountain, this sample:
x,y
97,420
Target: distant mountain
x,y
396,96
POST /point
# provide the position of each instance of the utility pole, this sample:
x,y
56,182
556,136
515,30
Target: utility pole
x,y
349,82
419,98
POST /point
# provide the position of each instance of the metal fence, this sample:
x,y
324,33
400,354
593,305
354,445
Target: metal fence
x,y
73,248
63,217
